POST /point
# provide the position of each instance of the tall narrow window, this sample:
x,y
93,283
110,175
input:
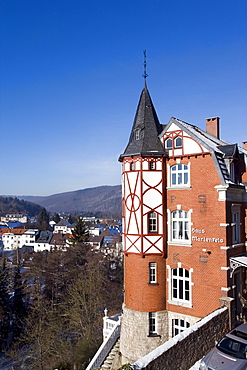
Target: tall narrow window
x,y
232,171
132,166
235,225
137,134
180,225
152,165
180,285
152,222
152,323
152,273
179,175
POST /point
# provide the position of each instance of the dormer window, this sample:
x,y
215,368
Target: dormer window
x,y
137,134
168,143
178,142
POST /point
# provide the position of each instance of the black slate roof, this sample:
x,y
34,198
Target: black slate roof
x,y
144,138
230,151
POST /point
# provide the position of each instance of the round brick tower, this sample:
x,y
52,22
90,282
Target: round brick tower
x,y
144,320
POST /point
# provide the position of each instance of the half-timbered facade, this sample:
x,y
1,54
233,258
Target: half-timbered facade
x,y
184,227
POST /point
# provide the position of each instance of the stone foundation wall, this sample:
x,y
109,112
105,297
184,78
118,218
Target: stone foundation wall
x,y
194,346
135,341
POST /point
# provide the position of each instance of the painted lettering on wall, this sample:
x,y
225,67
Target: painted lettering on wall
x,y
209,240
204,239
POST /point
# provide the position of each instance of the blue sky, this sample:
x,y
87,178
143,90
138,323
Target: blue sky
x,y
71,77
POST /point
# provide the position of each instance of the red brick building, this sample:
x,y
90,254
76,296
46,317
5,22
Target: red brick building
x,y
184,227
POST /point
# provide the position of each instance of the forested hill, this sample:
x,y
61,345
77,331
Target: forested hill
x,y
101,200
15,205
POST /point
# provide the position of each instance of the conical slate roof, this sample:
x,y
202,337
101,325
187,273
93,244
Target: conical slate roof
x,y
144,138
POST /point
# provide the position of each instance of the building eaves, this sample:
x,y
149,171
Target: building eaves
x,y
210,142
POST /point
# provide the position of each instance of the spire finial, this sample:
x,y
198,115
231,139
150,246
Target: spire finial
x,y
145,65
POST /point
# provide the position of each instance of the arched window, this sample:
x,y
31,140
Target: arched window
x,y
180,225
168,143
178,142
152,222
180,285
179,175
179,325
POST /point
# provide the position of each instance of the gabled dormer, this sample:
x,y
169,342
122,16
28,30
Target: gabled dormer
x,y
234,162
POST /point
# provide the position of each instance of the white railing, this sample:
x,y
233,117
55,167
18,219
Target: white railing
x,y
109,323
105,347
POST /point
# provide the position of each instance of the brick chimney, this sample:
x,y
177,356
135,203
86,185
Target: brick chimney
x,y
244,145
213,126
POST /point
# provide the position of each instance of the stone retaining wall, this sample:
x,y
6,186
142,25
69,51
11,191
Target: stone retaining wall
x,y
181,353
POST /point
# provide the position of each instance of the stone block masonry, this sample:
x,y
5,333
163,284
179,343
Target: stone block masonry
x,y
183,350
135,341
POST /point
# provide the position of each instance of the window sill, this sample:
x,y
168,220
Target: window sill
x,y
180,303
153,284
153,335
180,242
178,187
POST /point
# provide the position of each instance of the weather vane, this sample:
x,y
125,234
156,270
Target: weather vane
x,y
145,65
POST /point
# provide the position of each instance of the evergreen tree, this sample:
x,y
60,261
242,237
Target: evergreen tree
x,y
19,307
80,233
56,218
71,219
43,220
4,306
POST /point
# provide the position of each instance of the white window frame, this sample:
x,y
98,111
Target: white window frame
x,y
152,323
137,134
182,287
152,273
180,173
168,140
180,226
152,222
175,142
179,325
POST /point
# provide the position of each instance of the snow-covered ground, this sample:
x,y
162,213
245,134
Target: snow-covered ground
x,y
195,366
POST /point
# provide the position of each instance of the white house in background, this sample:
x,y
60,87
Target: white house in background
x,y
13,217
63,227
93,228
12,238
52,224
43,241
28,237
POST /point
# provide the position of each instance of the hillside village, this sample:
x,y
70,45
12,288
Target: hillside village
x,y
104,235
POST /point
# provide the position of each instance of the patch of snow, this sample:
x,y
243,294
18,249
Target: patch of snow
x,y
144,361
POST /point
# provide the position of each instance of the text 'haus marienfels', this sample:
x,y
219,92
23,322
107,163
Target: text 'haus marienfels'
x,y
184,227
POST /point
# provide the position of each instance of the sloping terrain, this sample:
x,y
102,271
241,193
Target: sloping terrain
x,y
15,205
104,200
